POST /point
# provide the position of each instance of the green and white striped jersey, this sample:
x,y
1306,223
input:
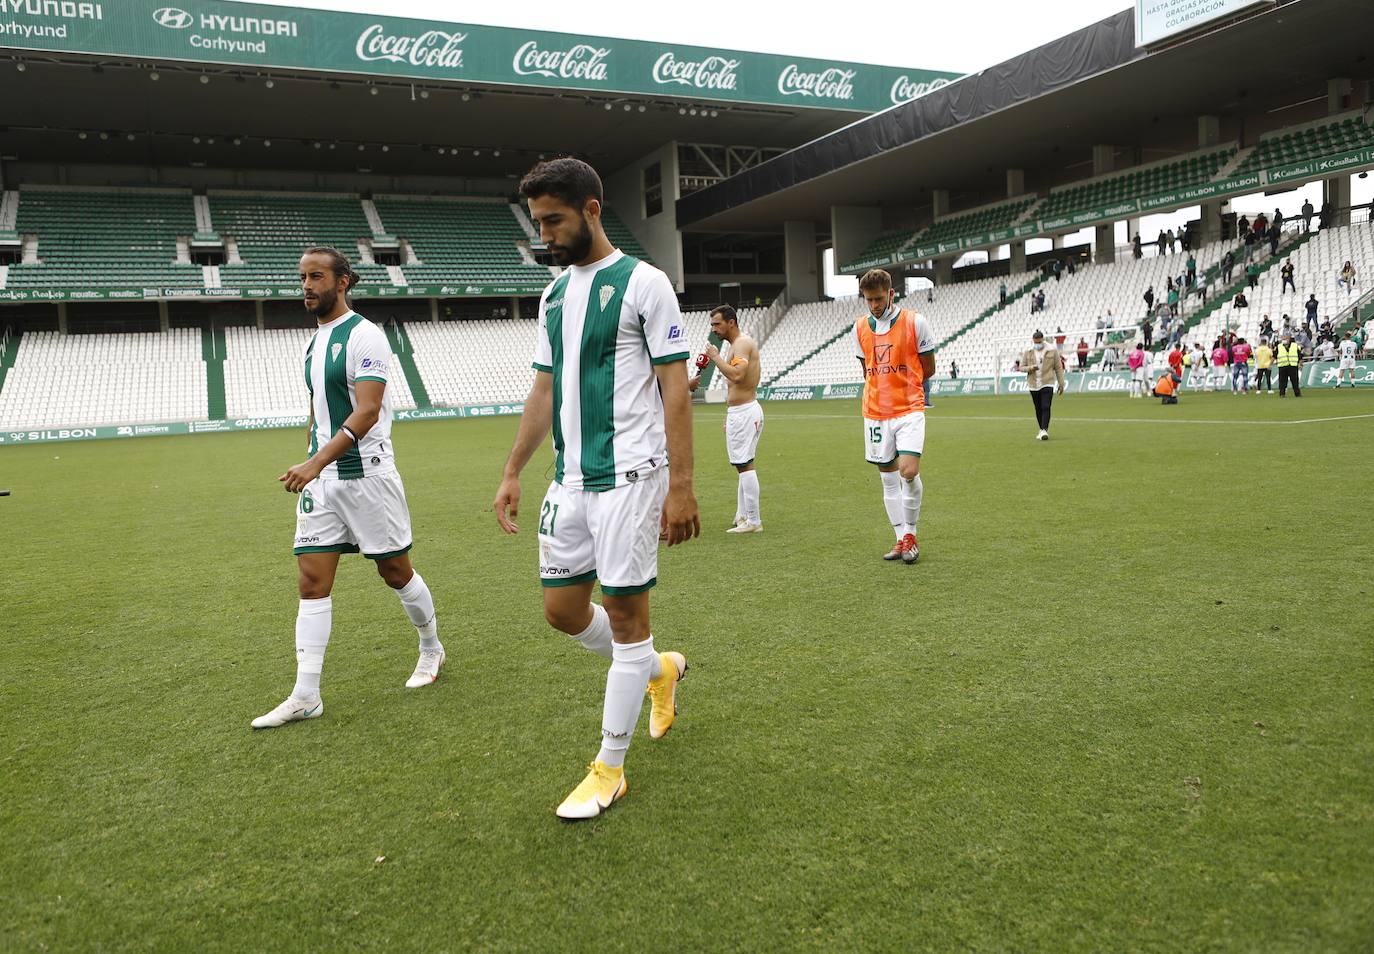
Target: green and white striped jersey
x,y
602,328
347,350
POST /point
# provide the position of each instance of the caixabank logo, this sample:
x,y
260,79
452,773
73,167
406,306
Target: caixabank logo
x,y
224,33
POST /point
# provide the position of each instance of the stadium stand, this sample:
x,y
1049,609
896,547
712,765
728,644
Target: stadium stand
x,y
91,239
1345,133
458,241
1316,264
888,243
271,230
1141,181
264,374
999,216
953,311
621,237
76,380
474,362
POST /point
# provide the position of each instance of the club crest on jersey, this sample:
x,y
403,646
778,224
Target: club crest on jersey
x,y
607,293
334,350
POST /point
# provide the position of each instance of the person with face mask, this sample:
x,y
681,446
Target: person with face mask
x,y
1044,378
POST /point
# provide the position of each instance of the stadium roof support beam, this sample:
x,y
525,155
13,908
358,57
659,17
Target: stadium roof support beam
x,y
1336,190
800,257
1016,250
852,228
1209,135
1104,235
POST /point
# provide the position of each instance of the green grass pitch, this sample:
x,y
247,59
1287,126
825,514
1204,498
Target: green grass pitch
x,y
1124,702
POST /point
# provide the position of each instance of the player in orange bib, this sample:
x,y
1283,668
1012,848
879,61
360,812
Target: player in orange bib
x,y
897,350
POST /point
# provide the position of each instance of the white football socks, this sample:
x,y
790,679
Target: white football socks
x,y
419,606
597,635
631,665
912,491
313,620
749,490
739,500
892,500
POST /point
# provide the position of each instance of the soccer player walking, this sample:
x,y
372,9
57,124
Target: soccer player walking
x,y
611,380
743,414
897,351
351,497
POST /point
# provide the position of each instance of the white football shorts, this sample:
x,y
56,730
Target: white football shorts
x,y
347,516
885,440
611,536
743,425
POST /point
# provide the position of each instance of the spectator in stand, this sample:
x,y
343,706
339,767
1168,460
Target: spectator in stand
x,y
1287,273
1327,333
1228,265
1307,211
1202,375
1240,301
930,294
1147,330
1323,222
1192,270
1170,236
1101,323
1242,227
1002,295
1289,360
1346,279
1264,362
1311,306
1185,239
1057,267
1059,337
1162,244
1082,354
1135,246
1166,388
1287,328
1135,361
1176,336
1266,328
1111,323
1173,300
1109,358
1252,273
1240,368
1303,340
1260,226
1275,234
1278,218
1073,264
1150,298
954,371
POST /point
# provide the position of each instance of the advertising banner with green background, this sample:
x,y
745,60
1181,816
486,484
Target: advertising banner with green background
x,y
1317,374
245,34
40,295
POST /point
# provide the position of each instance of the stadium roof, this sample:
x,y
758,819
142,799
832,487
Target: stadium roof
x,y
370,80
1043,111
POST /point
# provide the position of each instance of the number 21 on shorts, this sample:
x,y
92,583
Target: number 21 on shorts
x,y
548,516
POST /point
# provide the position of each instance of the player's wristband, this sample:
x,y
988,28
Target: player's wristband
x,y
347,430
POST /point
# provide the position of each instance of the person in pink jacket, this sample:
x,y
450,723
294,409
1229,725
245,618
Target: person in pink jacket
x,y
1136,362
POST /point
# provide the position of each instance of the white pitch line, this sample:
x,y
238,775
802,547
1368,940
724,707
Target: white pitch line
x,y
1102,420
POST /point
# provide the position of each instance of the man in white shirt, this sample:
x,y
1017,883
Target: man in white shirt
x,y
610,367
